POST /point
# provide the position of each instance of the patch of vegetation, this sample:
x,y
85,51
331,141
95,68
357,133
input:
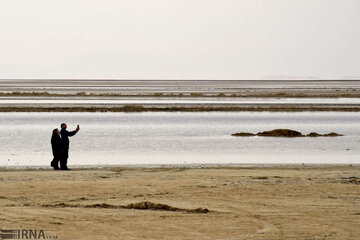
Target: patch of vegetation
x,y
139,108
335,94
163,207
196,94
139,206
243,134
288,133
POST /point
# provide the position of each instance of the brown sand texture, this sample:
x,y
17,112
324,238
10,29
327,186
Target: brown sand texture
x,y
296,202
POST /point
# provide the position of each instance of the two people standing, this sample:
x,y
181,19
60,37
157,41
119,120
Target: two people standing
x,y
60,146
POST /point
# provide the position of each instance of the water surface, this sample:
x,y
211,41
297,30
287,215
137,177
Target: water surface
x,y
180,138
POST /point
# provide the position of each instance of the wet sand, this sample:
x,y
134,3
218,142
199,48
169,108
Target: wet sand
x,y
277,202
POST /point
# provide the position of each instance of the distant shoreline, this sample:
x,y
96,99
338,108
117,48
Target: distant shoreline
x,y
177,90
182,108
281,93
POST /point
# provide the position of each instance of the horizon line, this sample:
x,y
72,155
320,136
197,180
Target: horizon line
x,y
153,79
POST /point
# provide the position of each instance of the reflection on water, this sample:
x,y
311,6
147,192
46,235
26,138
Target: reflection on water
x,y
169,138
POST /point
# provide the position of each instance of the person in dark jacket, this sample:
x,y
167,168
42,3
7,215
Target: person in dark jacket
x,y
65,141
57,148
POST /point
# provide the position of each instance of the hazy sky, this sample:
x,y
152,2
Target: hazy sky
x,y
179,39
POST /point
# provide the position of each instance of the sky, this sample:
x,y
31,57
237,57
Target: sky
x,y
180,39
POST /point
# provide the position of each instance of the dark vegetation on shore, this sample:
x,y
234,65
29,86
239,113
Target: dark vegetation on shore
x,y
287,133
353,93
139,108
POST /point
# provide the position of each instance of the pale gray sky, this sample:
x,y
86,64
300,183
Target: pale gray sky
x,y
179,39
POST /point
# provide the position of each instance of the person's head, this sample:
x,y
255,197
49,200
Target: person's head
x,y
63,125
56,132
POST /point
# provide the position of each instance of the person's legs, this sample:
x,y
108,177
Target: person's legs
x,y
55,162
63,160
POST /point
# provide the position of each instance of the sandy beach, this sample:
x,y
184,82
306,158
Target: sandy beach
x,y
274,202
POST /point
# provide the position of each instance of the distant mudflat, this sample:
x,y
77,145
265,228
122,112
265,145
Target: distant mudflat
x,y
183,108
138,87
79,95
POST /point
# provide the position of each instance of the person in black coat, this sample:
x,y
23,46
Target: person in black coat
x,y
65,140
57,148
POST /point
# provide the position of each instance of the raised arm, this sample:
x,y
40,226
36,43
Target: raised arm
x,y
72,133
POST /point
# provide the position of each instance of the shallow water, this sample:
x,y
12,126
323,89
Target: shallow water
x,y
180,138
